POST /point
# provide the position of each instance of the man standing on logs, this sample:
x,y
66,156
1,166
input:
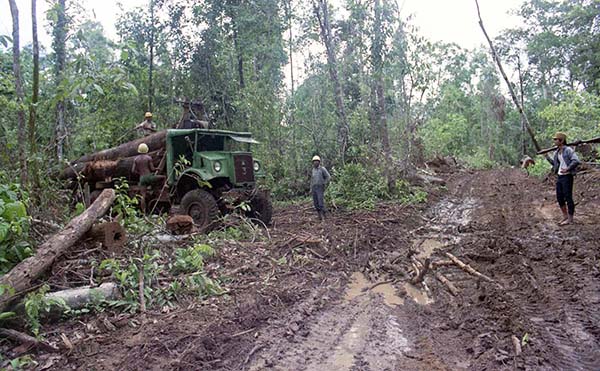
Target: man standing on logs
x,y
319,178
564,164
147,126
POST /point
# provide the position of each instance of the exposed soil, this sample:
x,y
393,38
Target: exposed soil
x,y
305,298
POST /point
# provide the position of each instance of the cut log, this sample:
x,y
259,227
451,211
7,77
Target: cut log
x,y
111,235
99,170
154,142
421,275
23,275
180,224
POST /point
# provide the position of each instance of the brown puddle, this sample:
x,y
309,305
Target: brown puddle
x,y
418,295
358,283
426,247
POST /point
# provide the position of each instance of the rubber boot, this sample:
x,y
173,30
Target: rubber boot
x,y
321,215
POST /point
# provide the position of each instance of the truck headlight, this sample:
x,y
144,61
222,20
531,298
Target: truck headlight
x,y
217,166
256,166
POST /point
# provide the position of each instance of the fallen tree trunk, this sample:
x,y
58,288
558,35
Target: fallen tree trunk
x,y
154,141
23,275
26,339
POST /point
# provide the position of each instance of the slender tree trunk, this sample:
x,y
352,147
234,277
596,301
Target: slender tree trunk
x,y
59,44
14,11
151,64
321,11
34,100
291,44
510,88
523,126
377,59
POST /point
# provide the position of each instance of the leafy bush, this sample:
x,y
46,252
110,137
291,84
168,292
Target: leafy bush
x,y
578,115
480,160
37,304
14,227
187,263
356,187
540,169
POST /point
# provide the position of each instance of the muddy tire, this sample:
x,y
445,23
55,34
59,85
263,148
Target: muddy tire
x,y
201,206
261,207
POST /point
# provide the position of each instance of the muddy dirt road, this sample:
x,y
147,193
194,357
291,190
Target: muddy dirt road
x,y
337,295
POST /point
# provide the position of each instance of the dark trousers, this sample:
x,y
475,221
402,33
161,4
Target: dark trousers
x,y
564,192
318,193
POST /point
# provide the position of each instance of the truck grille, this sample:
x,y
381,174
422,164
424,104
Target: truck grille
x,y
244,170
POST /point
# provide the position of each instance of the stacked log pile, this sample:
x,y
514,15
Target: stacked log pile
x,y
114,162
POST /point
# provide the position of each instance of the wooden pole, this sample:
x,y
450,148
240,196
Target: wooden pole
x,y
510,88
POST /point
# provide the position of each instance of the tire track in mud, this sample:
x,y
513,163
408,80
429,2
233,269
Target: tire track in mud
x,y
368,329
551,289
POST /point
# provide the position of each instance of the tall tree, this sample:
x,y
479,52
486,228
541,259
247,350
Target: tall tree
x,y
14,11
321,11
59,33
151,58
34,97
378,81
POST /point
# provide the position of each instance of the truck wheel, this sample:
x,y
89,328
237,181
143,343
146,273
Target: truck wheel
x,y
261,207
201,206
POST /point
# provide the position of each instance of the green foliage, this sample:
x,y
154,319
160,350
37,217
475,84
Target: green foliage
x,y
125,206
540,169
186,263
37,304
578,115
22,363
480,160
446,136
14,227
357,187
191,259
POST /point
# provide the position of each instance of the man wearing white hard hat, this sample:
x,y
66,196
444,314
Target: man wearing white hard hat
x,y
319,178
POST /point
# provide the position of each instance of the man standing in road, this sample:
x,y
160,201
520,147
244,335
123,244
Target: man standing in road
x,y
319,178
564,164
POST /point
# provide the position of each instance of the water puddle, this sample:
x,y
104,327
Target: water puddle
x,y
418,295
359,283
426,247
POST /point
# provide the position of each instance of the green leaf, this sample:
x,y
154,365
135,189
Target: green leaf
x,y
4,228
99,89
14,211
6,315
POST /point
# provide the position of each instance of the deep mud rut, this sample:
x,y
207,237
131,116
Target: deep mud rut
x,y
336,295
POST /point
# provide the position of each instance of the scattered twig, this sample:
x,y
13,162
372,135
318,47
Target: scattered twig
x,y
254,350
419,277
243,332
467,268
449,285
